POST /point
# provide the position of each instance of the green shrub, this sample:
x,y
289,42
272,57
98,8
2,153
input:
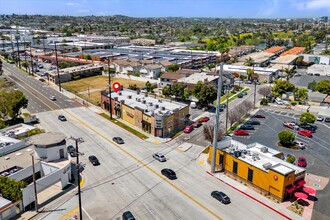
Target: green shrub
x,y
290,159
264,101
286,138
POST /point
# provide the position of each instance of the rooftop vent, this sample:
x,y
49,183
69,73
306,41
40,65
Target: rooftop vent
x,y
150,103
119,93
267,165
138,99
146,95
163,108
157,106
160,101
144,101
264,149
129,96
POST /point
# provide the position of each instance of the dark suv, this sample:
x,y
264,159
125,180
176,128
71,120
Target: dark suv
x,y
128,216
309,127
169,173
220,196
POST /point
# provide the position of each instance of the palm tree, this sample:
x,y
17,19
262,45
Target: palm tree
x,y
249,73
289,73
249,62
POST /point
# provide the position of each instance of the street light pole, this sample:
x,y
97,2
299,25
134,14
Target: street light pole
x,y
227,109
31,57
217,118
34,184
57,68
26,66
18,58
255,92
110,106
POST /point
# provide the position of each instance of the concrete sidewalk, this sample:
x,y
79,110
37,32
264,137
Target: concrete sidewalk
x,y
276,207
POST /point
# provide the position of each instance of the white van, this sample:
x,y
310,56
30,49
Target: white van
x,y
193,105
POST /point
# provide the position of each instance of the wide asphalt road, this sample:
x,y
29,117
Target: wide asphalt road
x,y
37,92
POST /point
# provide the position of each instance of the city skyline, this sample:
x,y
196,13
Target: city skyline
x,y
172,8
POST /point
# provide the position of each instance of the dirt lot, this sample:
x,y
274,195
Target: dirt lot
x,y
97,83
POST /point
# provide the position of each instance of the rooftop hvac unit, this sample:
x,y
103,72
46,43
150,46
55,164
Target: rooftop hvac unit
x,y
267,165
264,149
145,95
138,99
150,103
129,96
144,101
163,108
160,101
157,106
119,93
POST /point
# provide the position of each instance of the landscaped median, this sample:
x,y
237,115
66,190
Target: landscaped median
x,y
126,127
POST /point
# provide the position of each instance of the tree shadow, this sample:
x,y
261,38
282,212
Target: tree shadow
x,y
303,202
312,198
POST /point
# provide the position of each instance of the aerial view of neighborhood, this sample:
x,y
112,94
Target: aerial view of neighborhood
x,y
165,110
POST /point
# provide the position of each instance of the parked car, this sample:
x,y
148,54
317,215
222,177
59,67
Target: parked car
x,y
61,118
220,196
240,95
248,82
246,127
327,120
118,140
309,127
204,119
241,133
53,98
305,133
197,124
291,125
253,122
168,173
193,105
188,129
160,157
299,144
258,116
71,148
302,162
279,102
320,118
93,159
128,216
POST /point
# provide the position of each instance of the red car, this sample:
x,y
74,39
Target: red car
x,y
241,133
188,129
205,119
197,124
302,162
305,133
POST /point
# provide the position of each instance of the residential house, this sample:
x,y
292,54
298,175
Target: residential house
x,y
151,71
168,78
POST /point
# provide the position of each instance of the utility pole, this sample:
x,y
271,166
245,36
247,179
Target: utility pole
x,y
34,184
31,57
78,140
255,92
227,108
217,118
12,47
18,58
57,68
25,56
110,104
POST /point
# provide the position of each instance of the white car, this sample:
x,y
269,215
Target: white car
x,y
320,118
299,144
328,74
53,98
160,157
279,102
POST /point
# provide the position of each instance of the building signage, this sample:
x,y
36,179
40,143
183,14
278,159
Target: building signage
x,y
129,114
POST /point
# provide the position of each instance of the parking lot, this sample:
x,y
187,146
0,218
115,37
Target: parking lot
x,y
304,79
317,151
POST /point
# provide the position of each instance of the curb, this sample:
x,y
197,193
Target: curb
x,y
255,199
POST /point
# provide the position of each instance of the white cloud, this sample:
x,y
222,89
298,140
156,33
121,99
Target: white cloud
x,y
312,4
268,8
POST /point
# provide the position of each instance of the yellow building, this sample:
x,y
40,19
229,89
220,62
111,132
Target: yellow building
x,y
154,115
259,166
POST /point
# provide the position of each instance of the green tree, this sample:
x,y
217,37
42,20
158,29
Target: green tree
x,y
166,91
289,73
11,189
249,73
290,159
11,101
205,92
323,87
35,131
133,87
149,87
307,117
312,85
302,94
286,137
282,87
173,67
249,62
88,57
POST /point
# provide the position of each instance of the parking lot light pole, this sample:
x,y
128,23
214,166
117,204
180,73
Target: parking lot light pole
x,y
227,108
217,118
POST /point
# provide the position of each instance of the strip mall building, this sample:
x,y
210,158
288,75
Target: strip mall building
x,y
260,167
156,116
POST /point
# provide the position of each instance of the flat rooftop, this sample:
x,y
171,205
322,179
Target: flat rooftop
x,y
14,130
194,78
148,104
262,157
259,70
20,158
6,141
258,57
287,59
76,69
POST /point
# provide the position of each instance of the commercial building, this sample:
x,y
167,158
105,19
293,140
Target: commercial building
x,y
259,167
52,164
316,59
260,59
294,51
143,42
323,70
156,116
275,50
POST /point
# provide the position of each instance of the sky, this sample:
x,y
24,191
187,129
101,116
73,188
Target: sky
x,y
171,8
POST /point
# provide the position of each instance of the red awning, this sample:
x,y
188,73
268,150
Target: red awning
x,y
300,183
290,188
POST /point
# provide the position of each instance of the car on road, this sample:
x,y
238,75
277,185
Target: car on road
x,y
299,144
240,95
197,124
118,140
246,127
168,173
241,133
305,133
258,116
188,129
128,216
327,120
160,157
279,102
61,118
53,98
291,125
205,119
302,162
320,118
253,122
297,74
220,196
309,127
70,148
93,159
